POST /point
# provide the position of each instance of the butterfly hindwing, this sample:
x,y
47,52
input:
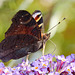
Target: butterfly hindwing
x,y
17,46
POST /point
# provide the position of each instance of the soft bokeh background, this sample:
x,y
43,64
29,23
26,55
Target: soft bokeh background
x,y
63,36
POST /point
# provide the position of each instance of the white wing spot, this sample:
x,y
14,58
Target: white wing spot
x,y
18,26
21,22
20,19
16,46
34,15
22,16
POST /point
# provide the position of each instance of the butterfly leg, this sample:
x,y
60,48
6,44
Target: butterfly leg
x,y
54,46
27,60
43,49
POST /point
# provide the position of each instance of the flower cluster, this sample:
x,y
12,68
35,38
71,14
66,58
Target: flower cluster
x,y
43,66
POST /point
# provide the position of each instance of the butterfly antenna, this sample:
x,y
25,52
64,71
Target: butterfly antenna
x,y
54,46
57,24
51,29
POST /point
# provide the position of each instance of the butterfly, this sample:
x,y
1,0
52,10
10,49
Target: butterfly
x,y
24,36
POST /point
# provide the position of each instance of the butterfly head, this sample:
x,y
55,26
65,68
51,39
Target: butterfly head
x,y
45,37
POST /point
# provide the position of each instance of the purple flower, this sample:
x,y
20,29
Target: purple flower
x,y
2,65
42,66
71,58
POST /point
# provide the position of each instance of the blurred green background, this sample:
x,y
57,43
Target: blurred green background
x,y
53,11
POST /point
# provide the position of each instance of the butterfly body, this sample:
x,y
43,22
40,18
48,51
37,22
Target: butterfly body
x,y
23,37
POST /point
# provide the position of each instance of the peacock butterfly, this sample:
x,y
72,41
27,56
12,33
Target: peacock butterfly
x,y
24,36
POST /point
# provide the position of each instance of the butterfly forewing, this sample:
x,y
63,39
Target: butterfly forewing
x,y
23,23
17,46
37,15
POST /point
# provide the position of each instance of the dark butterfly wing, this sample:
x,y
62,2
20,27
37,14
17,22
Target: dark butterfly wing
x,y
17,46
37,15
23,23
23,36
